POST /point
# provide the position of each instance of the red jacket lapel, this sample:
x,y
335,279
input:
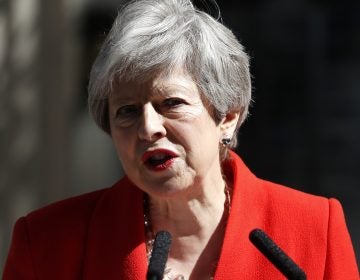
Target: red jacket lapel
x,y
239,258
116,248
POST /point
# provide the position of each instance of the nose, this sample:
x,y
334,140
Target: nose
x,y
151,127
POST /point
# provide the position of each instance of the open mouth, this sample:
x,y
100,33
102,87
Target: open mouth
x,y
159,159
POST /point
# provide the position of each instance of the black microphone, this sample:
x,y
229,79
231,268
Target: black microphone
x,y
159,256
276,256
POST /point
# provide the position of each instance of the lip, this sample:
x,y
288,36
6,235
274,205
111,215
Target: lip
x,y
160,166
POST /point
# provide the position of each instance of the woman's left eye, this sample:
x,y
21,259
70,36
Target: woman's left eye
x,y
173,102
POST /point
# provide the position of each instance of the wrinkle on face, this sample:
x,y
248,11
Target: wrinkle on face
x,y
158,90
173,109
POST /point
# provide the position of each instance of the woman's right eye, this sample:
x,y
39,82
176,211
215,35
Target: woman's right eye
x,y
127,111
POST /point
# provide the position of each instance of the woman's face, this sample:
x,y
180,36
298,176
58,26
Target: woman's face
x,y
165,138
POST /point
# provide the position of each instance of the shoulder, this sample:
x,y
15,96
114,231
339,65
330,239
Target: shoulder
x,y
54,237
70,210
307,227
44,238
283,212
67,219
293,199
273,195
58,227
318,223
295,214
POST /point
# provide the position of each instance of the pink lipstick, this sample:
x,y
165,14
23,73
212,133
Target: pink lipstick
x,y
159,159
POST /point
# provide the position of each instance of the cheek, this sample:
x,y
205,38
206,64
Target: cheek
x,y
207,136
192,113
196,135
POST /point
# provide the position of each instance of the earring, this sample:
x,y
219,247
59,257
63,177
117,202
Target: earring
x,y
225,141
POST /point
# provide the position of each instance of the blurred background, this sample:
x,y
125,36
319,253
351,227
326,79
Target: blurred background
x,y
303,131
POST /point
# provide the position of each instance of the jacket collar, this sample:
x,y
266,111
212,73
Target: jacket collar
x,y
116,242
237,254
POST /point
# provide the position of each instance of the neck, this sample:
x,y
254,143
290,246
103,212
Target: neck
x,y
189,214
196,223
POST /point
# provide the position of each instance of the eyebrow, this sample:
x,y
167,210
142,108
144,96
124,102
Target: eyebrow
x,y
173,88
162,91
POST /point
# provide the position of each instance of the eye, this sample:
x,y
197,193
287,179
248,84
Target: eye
x,y
127,111
173,102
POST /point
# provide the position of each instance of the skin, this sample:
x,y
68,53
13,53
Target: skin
x,y
187,198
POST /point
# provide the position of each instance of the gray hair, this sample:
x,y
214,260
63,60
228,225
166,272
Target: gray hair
x,y
150,37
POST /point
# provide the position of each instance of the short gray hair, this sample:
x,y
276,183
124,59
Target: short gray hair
x,y
150,37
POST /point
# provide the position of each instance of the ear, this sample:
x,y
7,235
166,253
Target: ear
x,y
228,123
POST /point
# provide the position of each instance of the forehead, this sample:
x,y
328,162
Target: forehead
x,y
161,85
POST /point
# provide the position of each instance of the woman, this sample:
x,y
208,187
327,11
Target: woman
x,y
171,86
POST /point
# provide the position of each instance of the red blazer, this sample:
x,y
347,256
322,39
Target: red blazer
x,y
100,235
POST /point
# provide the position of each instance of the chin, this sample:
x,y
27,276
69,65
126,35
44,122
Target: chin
x,y
165,190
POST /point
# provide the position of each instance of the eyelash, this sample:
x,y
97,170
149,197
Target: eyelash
x,y
173,102
126,111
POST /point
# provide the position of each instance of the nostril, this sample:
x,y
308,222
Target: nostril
x,y
151,136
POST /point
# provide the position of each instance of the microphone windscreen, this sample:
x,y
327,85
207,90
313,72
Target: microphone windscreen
x,y
277,256
159,256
